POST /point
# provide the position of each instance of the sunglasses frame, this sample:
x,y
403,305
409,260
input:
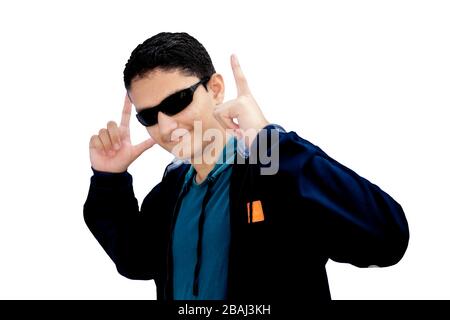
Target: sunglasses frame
x,y
171,105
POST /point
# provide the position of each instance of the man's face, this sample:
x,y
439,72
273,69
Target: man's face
x,y
157,85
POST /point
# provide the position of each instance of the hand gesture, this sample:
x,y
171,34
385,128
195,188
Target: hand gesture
x,y
111,150
244,108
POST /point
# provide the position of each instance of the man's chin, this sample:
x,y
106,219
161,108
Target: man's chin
x,y
182,151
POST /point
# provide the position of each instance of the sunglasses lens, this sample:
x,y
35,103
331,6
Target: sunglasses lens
x,y
147,117
177,102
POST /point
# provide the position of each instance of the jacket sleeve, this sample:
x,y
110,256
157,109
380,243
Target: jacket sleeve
x,y
356,222
130,237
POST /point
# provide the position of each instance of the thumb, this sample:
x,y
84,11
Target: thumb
x,y
141,147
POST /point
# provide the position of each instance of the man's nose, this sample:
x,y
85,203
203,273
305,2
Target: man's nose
x,y
166,125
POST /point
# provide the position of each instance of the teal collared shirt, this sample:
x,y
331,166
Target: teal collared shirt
x,y
212,274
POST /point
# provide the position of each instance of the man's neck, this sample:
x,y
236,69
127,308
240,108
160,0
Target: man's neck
x,y
208,161
202,171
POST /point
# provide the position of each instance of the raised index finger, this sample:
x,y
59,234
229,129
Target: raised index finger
x,y
126,112
241,81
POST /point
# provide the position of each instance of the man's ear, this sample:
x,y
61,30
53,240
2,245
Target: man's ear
x,y
217,87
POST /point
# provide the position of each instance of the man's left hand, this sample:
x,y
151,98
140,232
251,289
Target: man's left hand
x,y
244,109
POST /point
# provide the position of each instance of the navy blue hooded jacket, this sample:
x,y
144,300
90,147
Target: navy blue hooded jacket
x,y
314,209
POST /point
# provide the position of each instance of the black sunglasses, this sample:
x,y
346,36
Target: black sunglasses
x,y
171,105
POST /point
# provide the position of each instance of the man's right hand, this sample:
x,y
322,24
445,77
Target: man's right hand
x,y
111,150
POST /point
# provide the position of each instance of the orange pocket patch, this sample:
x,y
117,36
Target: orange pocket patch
x,y
257,213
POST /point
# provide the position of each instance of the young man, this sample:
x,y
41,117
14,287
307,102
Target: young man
x,y
222,225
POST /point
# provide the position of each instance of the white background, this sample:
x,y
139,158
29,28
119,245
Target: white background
x,y
367,81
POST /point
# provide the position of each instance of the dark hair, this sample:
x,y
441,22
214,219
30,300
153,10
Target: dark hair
x,y
168,51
